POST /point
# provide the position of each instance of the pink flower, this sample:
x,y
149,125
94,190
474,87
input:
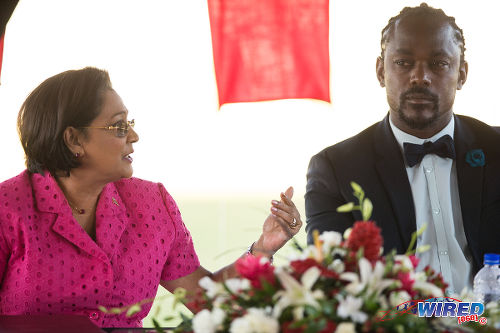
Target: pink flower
x,y
407,283
256,270
414,261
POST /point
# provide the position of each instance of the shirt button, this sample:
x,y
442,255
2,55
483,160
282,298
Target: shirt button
x,y
436,211
444,253
428,169
94,316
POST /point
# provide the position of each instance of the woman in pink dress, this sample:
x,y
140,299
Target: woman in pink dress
x,y
77,232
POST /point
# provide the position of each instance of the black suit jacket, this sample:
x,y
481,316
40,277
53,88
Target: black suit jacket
x,y
374,160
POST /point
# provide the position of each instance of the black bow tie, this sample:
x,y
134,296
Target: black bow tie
x,y
442,147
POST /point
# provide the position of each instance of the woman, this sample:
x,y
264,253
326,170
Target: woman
x,y
77,230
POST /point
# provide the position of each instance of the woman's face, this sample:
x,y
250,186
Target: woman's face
x,y
107,152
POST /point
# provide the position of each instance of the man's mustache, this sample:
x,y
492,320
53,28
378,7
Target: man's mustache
x,y
419,93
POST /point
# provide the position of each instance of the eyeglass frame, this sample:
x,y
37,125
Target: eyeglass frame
x,y
130,124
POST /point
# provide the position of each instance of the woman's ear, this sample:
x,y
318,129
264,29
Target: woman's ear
x,y
73,138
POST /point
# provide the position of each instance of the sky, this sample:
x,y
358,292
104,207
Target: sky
x,y
159,57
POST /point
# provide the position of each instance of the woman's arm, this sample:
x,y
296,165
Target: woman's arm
x,y
279,227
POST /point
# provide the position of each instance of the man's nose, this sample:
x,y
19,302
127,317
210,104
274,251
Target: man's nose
x,y
420,75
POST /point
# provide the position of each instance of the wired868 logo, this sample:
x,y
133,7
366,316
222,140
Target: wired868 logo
x,y
440,307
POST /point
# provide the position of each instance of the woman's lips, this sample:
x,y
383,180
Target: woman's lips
x,y
128,158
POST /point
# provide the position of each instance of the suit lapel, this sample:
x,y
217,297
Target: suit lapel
x,y
391,170
470,182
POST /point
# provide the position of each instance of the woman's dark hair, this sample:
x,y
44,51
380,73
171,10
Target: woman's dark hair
x,y
71,98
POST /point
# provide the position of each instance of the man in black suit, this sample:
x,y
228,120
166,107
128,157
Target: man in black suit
x,y
421,164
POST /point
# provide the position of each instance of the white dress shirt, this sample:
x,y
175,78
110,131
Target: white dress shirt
x,y
434,187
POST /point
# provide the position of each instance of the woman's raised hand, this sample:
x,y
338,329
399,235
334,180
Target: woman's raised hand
x,y
280,226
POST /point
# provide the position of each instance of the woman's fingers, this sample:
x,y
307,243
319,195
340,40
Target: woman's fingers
x,y
291,218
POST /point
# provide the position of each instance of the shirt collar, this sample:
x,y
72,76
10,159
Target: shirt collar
x,y
402,137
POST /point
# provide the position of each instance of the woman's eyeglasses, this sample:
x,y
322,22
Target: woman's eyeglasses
x,y
121,128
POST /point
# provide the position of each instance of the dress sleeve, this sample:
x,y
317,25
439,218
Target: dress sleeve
x,y
182,259
4,249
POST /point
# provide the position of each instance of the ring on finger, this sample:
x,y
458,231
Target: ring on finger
x,y
293,224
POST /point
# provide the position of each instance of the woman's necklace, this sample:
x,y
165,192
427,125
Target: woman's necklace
x,y
77,210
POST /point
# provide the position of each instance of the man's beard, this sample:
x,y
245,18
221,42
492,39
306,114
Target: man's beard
x,y
418,123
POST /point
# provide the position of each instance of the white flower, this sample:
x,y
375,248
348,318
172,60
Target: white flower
x,y
207,322
350,307
298,294
308,252
347,233
212,288
237,285
346,328
339,251
369,278
398,297
255,321
427,289
330,239
337,266
402,263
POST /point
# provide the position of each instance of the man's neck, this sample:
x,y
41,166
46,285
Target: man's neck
x,y
424,133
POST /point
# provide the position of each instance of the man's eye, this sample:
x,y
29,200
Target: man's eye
x,y
401,62
440,63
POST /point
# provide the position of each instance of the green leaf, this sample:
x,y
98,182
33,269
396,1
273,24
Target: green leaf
x,y
133,310
115,310
102,309
357,189
348,207
423,248
422,229
367,209
157,326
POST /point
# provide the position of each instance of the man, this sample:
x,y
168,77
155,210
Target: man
x,y
421,164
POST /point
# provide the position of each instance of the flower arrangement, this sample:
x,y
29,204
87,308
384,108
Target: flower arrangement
x,y
338,284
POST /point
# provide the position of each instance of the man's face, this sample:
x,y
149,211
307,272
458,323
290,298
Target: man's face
x,y
421,71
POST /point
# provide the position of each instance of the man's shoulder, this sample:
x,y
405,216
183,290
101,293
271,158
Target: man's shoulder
x,y
480,128
357,145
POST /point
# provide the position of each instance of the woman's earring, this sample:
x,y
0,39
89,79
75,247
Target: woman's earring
x,y
77,155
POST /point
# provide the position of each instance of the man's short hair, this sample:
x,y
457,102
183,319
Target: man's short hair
x,y
424,10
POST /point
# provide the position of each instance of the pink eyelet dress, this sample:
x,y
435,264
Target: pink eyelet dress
x,y
50,265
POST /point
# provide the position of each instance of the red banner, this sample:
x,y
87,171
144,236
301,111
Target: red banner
x,y
270,49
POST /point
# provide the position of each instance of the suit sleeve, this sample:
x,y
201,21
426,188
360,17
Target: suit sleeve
x,y
323,196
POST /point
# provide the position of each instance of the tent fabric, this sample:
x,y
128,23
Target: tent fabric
x,y
1,54
6,9
270,49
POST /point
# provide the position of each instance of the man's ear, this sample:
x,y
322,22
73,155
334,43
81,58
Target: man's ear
x,y
73,138
380,71
462,75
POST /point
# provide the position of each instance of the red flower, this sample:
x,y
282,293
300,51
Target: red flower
x,y
255,270
414,260
366,235
300,266
407,283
